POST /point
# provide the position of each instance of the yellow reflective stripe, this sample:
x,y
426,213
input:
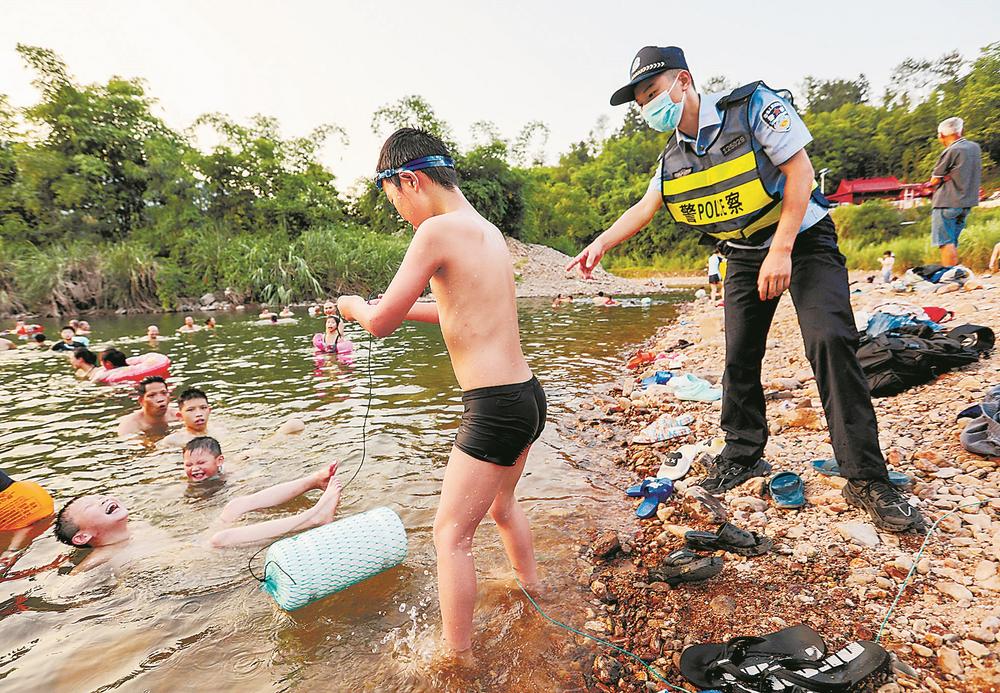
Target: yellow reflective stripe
x,y
711,209
772,217
710,176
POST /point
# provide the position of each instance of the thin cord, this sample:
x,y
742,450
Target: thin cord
x,y
368,407
916,559
598,640
364,454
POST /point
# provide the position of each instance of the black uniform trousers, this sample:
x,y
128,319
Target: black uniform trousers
x,y
821,296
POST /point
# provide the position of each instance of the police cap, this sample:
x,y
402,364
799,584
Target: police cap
x,y
649,61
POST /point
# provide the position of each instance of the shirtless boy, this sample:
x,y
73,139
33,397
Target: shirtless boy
x,y
465,259
155,413
101,522
193,410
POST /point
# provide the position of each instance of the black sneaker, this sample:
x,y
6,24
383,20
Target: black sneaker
x,y
888,508
728,475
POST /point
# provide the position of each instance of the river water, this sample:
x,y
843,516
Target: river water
x,y
189,618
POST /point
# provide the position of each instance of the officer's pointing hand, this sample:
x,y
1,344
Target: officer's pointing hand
x,y
775,275
588,259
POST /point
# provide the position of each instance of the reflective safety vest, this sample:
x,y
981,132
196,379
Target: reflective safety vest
x,y
720,193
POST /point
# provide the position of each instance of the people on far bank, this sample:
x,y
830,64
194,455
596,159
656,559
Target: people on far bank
x,y
888,262
715,261
956,179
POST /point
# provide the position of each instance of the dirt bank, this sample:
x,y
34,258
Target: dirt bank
x,y
830,568
539,271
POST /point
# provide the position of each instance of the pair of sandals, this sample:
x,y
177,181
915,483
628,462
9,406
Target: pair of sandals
x,y
792,659
684,565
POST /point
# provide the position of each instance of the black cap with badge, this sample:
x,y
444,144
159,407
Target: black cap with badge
x,y
649,61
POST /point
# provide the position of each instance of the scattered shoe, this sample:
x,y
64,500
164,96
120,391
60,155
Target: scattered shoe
x,y
889,509
692,388
731,539
766,664
653,492
666,427
788,490
728,475
685,566
829,467
658,378
717,665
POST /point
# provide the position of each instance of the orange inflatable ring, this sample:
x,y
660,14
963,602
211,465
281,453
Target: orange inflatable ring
x,y
22,503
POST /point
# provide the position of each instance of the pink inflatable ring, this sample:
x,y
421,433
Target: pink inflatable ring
x,y
139,367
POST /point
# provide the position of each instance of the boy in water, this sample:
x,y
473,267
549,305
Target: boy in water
x,y
155,413
193,410
465,259
102,522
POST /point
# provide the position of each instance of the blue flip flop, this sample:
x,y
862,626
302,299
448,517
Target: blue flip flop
x,y
788,490
653,492
829,467
658,378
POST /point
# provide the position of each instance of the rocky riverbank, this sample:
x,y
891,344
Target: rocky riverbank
x,y
830,567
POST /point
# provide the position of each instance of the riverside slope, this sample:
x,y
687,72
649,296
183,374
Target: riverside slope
x,y
830,568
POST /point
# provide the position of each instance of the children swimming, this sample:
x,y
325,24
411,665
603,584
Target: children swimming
x,y
193,410
466,261
101,522
155,413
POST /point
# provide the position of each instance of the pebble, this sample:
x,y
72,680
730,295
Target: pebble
x,y
949,661
954,590
982,635
723,605
985,570
859,532
605,544
749,503
921,650
976,649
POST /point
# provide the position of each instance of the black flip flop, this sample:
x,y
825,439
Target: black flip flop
x,y
859,667
717,665
685,566
729,538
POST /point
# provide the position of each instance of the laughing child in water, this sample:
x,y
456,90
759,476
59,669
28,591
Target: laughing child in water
x,y
465,259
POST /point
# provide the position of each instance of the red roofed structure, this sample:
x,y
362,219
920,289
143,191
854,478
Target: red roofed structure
x,y
857,190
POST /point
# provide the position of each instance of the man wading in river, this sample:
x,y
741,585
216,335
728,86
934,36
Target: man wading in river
x,y
735,169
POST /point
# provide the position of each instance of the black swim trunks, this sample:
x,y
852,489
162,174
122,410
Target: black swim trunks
x,y
501,421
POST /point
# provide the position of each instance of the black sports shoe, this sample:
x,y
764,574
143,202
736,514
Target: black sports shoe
x,y
888,508
728,475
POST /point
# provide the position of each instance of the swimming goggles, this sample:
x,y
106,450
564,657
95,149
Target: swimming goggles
x,y
415,165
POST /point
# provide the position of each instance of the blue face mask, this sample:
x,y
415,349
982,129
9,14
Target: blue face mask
x,y
661,113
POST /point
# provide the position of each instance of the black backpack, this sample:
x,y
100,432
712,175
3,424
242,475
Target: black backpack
x,y
896,361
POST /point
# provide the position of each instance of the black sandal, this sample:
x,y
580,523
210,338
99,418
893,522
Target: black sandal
x,y
792,659
685,566
729,538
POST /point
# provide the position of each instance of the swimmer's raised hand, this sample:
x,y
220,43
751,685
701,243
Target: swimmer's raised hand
x,y
588,259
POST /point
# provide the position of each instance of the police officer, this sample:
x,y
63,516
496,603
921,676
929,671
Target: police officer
x,y
735,169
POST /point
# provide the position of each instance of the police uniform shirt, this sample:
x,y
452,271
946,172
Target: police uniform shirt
x,y
776,126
